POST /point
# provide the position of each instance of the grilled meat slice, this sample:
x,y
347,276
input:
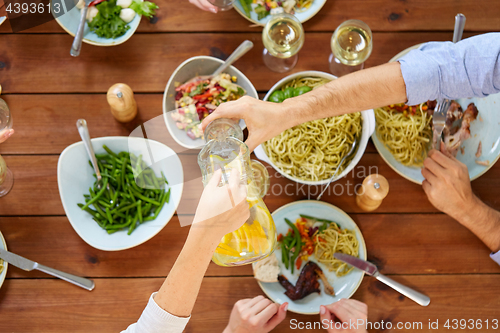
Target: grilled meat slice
x,y
453,141
326,285
307,283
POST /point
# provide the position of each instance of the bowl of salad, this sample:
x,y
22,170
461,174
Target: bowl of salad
x,y
192,94
259,11
108,22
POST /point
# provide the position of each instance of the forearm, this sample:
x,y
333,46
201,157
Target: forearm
x,y
178,293
374,87
484,222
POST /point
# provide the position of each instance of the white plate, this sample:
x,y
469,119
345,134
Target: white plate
x,y
368,126
70,20
75,176
303,16
344,286
486,131
192,67
3,274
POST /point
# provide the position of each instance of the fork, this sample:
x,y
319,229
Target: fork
x,y
439,116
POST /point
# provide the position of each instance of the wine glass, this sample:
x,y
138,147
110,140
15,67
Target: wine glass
x,y
283,37
351,45
6,177
222,4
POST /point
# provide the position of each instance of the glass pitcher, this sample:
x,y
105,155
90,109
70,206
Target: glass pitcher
x,y
224,149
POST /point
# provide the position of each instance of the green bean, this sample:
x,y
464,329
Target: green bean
x,y
109,151
318,220
94,199
298,244
140,196
108,215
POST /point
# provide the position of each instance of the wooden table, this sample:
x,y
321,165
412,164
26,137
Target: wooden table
x,y
47,90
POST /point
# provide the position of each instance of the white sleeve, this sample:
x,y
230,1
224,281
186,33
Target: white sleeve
x,y
156,320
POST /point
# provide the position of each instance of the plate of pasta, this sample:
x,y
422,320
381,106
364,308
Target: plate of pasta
x,y
310,153
403,133
259,11
3,264
338,234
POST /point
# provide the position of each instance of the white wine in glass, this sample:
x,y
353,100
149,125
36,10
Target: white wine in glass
x,y
351,45
283,37
6,177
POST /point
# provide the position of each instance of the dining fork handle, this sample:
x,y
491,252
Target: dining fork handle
x,y
412,294
76,280
77,42
238,53
81,124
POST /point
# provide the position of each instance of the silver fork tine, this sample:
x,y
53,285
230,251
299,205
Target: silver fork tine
x,y
438,120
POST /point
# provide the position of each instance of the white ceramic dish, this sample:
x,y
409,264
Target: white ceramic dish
x,y
303,16
70,20
344,286
368,128
75,176
487,131
192,67
3,274
2,19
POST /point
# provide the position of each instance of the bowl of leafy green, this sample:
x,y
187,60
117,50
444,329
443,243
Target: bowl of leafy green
x,y
108,22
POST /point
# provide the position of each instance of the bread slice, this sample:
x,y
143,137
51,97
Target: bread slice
x,y
267,269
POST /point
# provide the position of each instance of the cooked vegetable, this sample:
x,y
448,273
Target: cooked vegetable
x,y
278,96
145,8
246,4
126,204
107,23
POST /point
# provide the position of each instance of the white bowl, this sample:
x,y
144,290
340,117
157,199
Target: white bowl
x,y
3,245
70,20
196,66
368,126
75,176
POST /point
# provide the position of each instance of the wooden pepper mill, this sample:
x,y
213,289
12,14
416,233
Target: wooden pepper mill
x,y
121,99
371,193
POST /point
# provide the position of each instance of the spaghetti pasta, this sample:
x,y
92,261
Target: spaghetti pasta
x,y
312,151
408,137
334,239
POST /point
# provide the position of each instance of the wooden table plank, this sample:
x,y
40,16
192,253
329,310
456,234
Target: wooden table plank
x,y
393,242
380,15
146,61
45,124
35,190
50,305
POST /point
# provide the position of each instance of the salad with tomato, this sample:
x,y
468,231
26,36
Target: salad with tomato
x,y
199,97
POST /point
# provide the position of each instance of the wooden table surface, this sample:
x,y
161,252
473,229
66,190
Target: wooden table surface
x,y
48,90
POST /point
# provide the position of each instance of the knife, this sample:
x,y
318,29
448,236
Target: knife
x,y
372,270
29,265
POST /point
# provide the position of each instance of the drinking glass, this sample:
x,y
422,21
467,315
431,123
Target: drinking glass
x,y
6,177
283,37
351,45
222,4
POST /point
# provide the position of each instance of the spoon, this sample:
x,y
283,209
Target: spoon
x,y
238,53
77,42
351,151
81,124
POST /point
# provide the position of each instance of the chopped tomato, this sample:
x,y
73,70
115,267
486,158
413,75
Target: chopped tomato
x,y
280,237
298,263
95,2
204,96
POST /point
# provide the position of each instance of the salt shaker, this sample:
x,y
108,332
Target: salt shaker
x,y
121,99
371,193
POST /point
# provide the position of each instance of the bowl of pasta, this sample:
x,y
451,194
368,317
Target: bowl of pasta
x,y
310,153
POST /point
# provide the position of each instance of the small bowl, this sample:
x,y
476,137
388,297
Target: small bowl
x,y
197,66
75,176
368,126
70,20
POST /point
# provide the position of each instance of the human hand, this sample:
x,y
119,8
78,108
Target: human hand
x,y
347,311
4,135
223,209
264,120
256,315
447,184
205,5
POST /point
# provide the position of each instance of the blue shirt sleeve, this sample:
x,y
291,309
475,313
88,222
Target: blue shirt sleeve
x,y
437,70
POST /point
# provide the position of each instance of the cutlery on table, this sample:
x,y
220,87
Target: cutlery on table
x,y
351,151
372,270
28,265
77,41
81,124
439,116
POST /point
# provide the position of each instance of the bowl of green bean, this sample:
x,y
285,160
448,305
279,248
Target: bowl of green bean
x,y
140,190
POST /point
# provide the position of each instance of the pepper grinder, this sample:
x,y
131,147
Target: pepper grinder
x,y
121,99
372,192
